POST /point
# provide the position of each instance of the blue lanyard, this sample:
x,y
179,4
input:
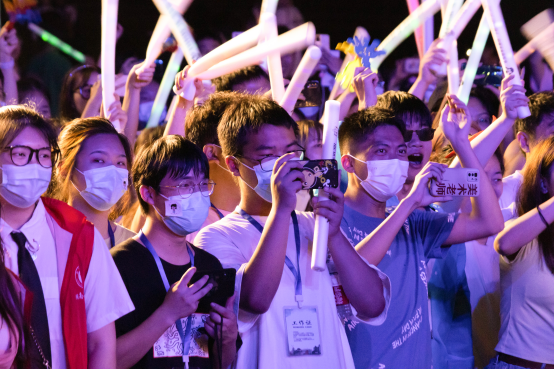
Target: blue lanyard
x,y
295,272
219,214
185,336
112,236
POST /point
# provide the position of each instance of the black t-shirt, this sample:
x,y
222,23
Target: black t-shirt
x,y
145,286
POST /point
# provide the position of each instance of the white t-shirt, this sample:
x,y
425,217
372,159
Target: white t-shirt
x,y
527,306
233,241
213,217
120,234
511,186
106,298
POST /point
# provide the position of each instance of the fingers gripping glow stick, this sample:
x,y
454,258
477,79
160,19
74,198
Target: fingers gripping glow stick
x,y
303,72
109,27
330,139
161,33
361,33
165,87
180,30
503,46
269,33
474,58
453,71
404,30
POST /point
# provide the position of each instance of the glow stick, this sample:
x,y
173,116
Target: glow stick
x,y
165,87
474,58
503,46
330,139
463,16
541,42
361,33
412,5
303,72
405,29
269,32
109,28
428,32
537,24
268,6
447,37
57,43
180,30
453,71
161,33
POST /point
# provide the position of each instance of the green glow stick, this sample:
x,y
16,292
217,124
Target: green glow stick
x,y
165,87
57,43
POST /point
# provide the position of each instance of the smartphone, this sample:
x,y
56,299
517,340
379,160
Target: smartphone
x,y
323,41
319,174
312,94
223,281
457,182
487,75
411,65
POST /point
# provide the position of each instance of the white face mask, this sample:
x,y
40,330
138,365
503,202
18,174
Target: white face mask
x,y
263,188
185,216
105,186
22,185
384,177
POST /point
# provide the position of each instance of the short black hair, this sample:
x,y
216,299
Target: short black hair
x,y
487,98
228,82
540,104
202,121
406,107
170,154
355,128
247,114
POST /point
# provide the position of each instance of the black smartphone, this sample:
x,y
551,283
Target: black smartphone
x,y
487,75
312,94
320,173
223,282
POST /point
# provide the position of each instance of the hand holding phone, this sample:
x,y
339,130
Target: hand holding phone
x,y
457,182
223,287
183,297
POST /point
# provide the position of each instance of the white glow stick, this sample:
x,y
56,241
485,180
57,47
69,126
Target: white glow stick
x,y
361,33
543,42
330,139
268,6
463,16
525,52
503,46
453,71
474,58
303,72
428,32
537,24
180,30
404,30
165,87
109,29
269,33
161,33
452,8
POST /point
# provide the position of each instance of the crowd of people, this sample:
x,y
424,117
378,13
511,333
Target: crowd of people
x,y
117,244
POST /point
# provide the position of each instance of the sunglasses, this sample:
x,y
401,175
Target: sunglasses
x,y
424,134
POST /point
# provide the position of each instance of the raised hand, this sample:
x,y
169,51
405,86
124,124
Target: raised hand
x,y
364,83
435,56
455,120
140,77
286,182
512,97
8,43
115,112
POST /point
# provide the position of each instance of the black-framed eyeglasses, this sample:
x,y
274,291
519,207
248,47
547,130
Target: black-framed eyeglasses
x,y
424,134
206,188
22,155
84,91
266,163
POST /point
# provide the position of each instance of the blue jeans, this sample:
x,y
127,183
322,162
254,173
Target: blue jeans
x,y
497,364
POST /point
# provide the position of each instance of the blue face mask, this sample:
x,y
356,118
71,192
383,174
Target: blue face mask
x,y
263,188
185,216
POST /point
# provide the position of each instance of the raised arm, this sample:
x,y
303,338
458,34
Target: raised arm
x,y
8,42
365,82
131,100
426,77
176,121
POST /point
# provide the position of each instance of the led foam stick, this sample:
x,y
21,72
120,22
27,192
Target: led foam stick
x,y
503,46
428,32
474,58
412,5
452,70
405,29
109,27
165,87
268,6
330,139
303,72
269,33
180,30
537,24
452,8
462,17
161,33
361,33
540,42
57,43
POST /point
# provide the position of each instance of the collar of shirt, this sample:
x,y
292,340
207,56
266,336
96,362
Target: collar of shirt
x,y
30,229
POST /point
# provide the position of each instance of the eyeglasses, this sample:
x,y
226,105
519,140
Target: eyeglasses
x,y
206,188
81,68
22,155
84,91
424,134
266,162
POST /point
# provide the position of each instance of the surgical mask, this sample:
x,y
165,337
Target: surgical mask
x,y
22,185
105,186
185,216
309,111
145,109
384,177
263,188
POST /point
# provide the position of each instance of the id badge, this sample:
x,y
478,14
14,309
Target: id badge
x,y
302,327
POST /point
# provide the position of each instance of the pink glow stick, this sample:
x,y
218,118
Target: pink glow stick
x,y
412,5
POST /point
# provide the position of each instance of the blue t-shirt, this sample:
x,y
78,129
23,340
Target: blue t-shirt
x,y
404,339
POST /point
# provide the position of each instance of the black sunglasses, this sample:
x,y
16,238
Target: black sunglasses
x,y
424,134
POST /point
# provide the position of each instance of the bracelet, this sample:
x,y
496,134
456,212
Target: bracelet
x,y
542,217
7,65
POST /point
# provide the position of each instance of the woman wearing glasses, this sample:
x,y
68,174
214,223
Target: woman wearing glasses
x,y
171,178
58,255
93,175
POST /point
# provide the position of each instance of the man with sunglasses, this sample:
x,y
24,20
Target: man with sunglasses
x,y
287,312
